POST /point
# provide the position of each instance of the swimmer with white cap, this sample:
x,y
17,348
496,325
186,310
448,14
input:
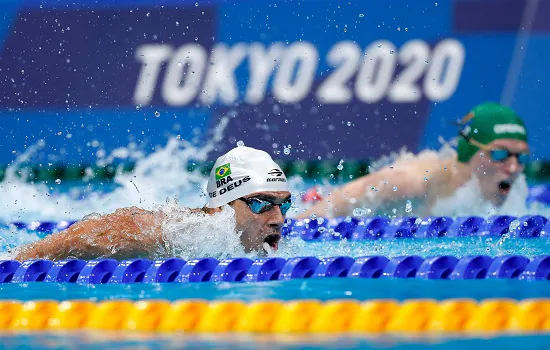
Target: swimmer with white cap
x,y
244,178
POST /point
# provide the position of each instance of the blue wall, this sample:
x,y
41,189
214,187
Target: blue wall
x,y
405,71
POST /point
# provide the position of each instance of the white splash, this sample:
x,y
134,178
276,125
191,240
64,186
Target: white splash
x,y
189,234
157,176
467,201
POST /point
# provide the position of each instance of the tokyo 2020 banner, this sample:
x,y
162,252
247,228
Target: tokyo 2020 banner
x,y
302,79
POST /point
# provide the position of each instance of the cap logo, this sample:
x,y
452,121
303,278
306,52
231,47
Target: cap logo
x,y
509,129
223,171
275,172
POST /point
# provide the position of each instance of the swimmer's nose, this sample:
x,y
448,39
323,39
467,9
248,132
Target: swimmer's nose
x,y
276,219
512,165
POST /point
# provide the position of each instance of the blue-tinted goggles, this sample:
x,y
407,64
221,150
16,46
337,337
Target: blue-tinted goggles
x,y
259,206
501,154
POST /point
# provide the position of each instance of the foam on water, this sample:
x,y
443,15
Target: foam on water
x,y
466,201
190,234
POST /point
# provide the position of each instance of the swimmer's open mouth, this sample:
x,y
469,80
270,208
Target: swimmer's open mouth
x,y
271,242
504,187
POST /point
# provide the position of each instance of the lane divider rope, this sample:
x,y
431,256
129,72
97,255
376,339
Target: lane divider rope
x,y
273,316
176,270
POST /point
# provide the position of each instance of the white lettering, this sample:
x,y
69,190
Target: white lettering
x,y
413,56
261,65
220,76
344,56
376,71
509,129
445,69
184,74
432,74
299,62
151,57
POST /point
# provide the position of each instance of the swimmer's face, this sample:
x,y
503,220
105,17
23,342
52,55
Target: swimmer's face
x,y
496,177
265,227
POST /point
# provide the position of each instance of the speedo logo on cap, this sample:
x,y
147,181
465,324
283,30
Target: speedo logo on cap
x,y
509,129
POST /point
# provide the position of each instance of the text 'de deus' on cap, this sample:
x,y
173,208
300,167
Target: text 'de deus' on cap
x,y
243,171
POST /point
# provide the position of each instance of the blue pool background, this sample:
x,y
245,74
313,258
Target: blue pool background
x,y
70,92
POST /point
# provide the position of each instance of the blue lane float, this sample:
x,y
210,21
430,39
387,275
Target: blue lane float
x,y
265,269
130,271
97,271
65,270
164,271
175,270
371,228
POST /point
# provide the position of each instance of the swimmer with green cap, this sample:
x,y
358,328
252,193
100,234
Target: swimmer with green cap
x,y
492,152
245,183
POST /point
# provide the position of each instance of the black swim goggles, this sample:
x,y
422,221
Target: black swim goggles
x,y
259,206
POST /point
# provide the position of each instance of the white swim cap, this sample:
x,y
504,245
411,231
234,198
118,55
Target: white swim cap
x,y
240,172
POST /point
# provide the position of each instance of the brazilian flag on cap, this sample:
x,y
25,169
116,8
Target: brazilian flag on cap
x,y
222,171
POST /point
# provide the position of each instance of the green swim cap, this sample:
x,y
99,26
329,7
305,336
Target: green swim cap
x,y
488,122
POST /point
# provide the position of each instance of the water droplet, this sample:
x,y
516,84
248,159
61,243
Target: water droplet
x,y
286,151
408,206
361,15
157,114
148,14
349,123
240,143
394,188
391,52
286,121
514,225
197,4
58,181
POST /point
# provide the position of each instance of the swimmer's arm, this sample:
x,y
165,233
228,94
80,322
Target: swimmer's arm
x,y
405,180
126,233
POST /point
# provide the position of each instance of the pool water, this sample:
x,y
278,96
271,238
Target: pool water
x,y
28,202
313,288
102,340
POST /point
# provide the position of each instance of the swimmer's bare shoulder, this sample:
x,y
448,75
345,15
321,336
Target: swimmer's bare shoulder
x,y
126,233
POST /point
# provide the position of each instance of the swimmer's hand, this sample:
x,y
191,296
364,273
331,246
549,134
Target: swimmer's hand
x,y
126,233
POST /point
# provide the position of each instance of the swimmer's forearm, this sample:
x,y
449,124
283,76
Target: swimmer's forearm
x,y
57,246
125,233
